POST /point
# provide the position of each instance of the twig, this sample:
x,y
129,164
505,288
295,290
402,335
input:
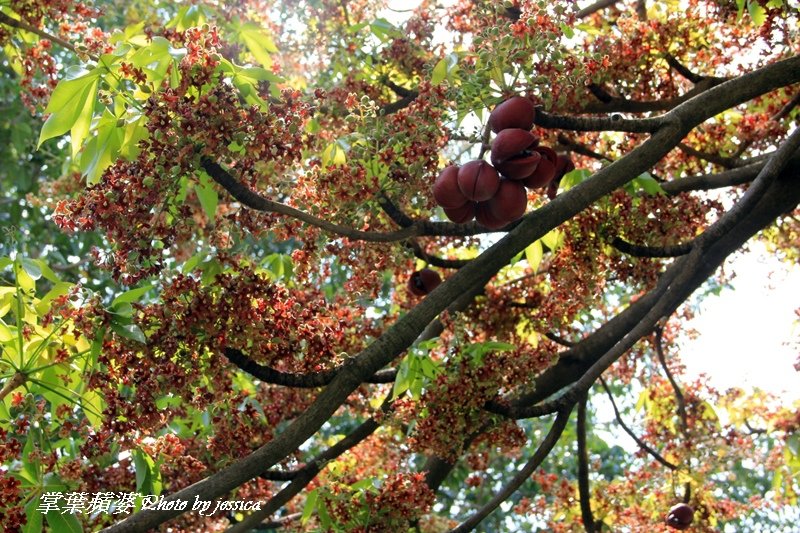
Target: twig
x,y
521,476
642,444
679,399
584,492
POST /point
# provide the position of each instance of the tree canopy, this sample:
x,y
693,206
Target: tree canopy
x,y
353,266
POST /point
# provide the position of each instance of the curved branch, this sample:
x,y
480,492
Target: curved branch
x,y
287,379
681,69
679,399
521,476
22,25
642,444
637,250
619,104
255,201
420,253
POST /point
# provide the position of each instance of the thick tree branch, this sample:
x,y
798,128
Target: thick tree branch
x,y
521,476
612,123
754,211
475,275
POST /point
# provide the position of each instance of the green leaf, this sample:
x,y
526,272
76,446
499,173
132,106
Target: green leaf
x,y
102,149
207,195
132,295
71,107
34,517
439,72
129,331
534,254
258,42
384,30
757,13
310,505
648,184
63,523
553,239
333,155
31,266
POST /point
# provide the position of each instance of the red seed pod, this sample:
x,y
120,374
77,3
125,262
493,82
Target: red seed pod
x,y
512,143
513,153
563,165
446,191
680,516
423,281
509,202
545,171
462,214
516,112
478,180
483,214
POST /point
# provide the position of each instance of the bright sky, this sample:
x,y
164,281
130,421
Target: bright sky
x,y
746,334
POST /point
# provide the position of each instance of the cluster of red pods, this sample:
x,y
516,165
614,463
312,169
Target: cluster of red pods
x,y
494,194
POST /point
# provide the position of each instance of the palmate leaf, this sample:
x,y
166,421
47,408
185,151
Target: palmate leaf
x,y
71,107
258,43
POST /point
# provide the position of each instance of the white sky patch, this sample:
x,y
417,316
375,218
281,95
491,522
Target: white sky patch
x,y
746,335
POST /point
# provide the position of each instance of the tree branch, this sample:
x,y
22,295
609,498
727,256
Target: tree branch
x,y
675,250
287,379
679,400
681,69
594,8
584,492
521,476
255,201
612,123
642,444
305,475
22,25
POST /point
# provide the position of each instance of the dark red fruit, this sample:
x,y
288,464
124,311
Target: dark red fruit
x,y
483,214
564,165
512,153
446,191
423,281
516,112
509,202
478,180
545,171
680,516
462,214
